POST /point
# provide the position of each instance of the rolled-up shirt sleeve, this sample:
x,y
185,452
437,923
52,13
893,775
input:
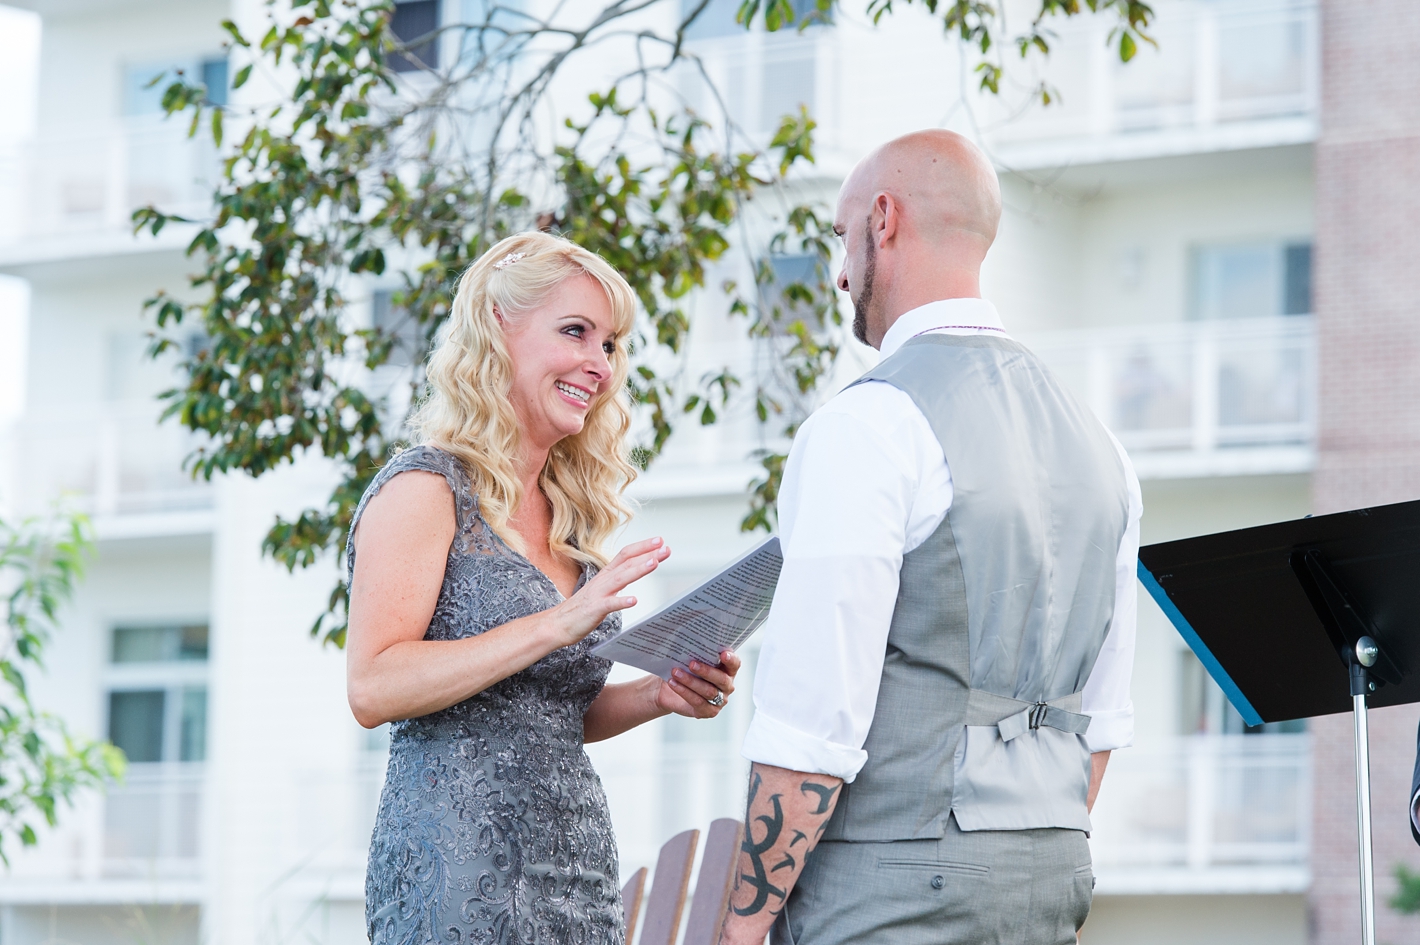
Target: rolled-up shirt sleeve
x,y
848,492
1106,698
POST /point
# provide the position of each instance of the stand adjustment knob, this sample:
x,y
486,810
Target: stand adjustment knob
x,y
1367,652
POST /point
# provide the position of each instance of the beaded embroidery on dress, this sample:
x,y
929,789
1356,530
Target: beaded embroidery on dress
x,y
493,826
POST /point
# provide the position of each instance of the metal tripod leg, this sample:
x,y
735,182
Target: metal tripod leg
x,y
1363,820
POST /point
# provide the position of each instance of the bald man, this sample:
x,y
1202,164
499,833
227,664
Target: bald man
x,y
946,666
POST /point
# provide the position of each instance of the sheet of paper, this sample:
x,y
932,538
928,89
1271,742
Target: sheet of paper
x,y
720,614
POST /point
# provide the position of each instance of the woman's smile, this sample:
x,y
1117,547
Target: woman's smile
x,y
573,394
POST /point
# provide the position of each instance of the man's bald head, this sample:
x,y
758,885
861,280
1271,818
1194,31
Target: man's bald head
x,y
945,185
916,217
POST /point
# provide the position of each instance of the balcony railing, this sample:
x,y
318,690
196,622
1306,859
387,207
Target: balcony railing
x,y
153,822
1198,397
760,77
146,830
1202,813
113,456
652,796
1168,817
86,182
1217,66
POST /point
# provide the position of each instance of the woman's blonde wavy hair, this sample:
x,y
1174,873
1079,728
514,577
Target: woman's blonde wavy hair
x,y
468,412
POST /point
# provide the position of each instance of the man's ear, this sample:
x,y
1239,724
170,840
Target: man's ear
x,y
886,217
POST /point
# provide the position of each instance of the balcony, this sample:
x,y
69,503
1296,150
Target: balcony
x,y
111,459
1225,76
72,193
761,77
153,822
1208,813
141,841
1198,398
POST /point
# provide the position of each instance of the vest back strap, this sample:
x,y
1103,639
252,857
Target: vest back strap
x,y
1013,717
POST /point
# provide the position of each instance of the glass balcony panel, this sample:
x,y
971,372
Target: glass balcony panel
x,y
85,181
1156,88
153,820
787,83
1153,392
1216,65
1262,67
1261,386
1207,801
116,458
1197,393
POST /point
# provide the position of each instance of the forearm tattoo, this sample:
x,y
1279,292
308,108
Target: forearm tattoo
x,y
824,793
764,833
755,850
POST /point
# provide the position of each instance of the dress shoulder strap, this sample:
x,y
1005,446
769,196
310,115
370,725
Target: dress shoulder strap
x,y
470,528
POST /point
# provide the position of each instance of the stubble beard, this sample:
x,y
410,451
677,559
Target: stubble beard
x,y
865,296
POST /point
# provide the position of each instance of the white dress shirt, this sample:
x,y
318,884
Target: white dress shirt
x,y
865,483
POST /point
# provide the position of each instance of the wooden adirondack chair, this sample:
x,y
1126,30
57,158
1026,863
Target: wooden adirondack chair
x,y
712,886
631,895
666,903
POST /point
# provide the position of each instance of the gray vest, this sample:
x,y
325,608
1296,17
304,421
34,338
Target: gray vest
x,y
1001,612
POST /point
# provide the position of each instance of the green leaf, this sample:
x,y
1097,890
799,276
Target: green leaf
x,y
235,33
1127,49
1407,895
244,73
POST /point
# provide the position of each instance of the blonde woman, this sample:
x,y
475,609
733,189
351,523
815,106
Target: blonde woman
x,y
477,588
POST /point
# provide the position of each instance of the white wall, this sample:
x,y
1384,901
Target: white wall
x,y
83,56
1111,245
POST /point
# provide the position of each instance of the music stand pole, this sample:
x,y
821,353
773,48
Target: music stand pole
x,y
1366,651
1363,822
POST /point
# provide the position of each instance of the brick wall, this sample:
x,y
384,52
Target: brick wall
x,y
1367,291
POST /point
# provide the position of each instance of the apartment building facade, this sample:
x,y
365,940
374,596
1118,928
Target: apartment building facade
x,y
1182,242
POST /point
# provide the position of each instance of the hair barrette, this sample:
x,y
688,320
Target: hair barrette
x,y
508,260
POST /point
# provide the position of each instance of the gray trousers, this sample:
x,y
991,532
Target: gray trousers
x,y
987,887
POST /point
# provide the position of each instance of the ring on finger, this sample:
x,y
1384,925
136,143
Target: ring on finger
x,y
717,700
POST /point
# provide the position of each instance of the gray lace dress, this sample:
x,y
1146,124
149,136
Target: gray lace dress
x,y
493,826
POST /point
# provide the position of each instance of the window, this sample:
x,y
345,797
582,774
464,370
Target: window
x,y
157,699
1252,280
393,321
412,20
793,274
214,76
1297,279
142,96
762,76
716,19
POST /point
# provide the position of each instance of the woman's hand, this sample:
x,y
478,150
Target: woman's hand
x,y
621,707
585,610
691,695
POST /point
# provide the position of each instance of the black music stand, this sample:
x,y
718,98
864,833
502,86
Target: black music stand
x,y
1290,619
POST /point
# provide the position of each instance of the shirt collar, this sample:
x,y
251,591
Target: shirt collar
x,y
958,316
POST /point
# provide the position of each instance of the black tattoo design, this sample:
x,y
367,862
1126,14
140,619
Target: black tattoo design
x,y
773,826
787,861
798,835
825,794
